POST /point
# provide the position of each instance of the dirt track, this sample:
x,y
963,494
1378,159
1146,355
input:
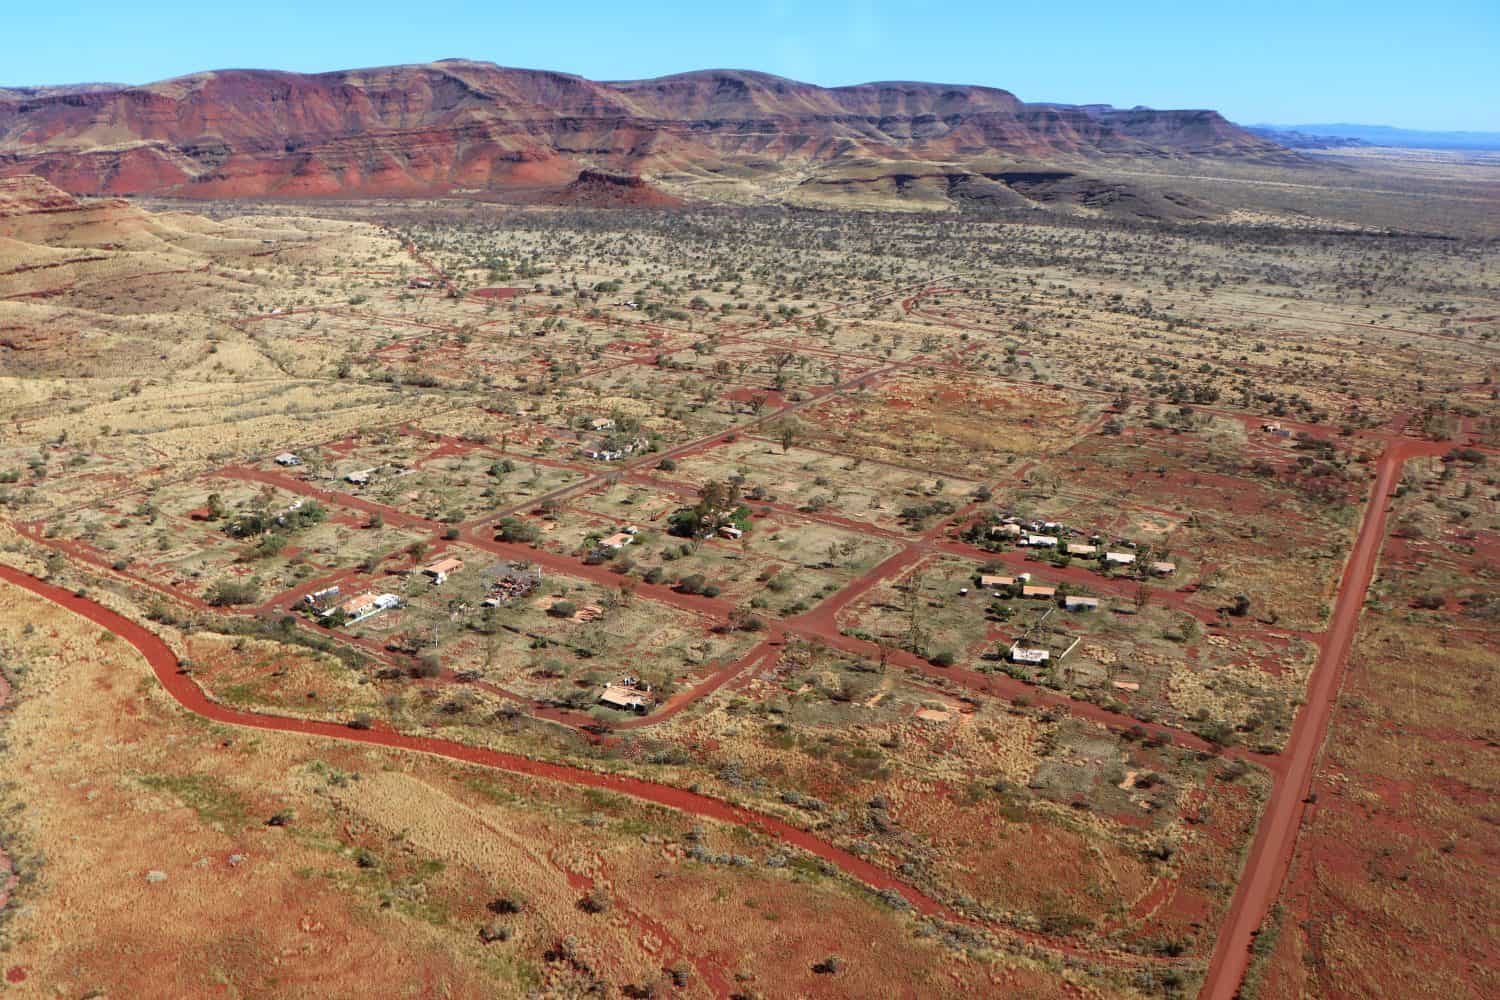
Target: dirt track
x,y
1271,853
7,872
189,695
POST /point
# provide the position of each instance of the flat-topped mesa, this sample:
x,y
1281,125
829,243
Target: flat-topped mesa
x,y
464,127
27,195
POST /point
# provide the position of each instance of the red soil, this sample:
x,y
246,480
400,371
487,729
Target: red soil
x,y
7,872
186,692
1271,853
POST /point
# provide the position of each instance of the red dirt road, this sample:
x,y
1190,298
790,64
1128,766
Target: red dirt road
x,y
7,871
190,696
1271,854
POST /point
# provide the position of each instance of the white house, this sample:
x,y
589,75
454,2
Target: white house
x,y
1042,541
1075,603
1119,558
288,459
362,606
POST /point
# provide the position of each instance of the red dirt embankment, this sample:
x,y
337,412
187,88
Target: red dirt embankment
x,y
191,697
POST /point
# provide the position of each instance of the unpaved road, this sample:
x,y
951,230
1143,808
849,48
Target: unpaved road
x,y
189,695
1271,853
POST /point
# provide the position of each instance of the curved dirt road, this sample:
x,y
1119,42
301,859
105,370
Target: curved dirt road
x,y
186,692
1271,854
190,696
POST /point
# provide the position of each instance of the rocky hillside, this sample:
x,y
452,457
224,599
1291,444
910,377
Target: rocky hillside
x,y
459,127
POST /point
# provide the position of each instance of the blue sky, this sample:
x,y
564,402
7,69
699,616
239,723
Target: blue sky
x,y
1434,64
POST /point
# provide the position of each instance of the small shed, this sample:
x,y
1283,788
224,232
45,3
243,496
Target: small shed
x,y
625,698
439,571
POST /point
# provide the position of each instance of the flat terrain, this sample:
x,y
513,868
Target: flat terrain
x,y
739,603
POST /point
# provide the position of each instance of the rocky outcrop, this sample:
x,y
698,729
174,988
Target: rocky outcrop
x,y
599,189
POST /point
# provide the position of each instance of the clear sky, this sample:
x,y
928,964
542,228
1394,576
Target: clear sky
x,y
1432,64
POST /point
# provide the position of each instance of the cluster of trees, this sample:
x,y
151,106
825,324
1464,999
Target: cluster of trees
x,y
718,506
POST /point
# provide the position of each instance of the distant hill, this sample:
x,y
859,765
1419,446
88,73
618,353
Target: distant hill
x,y
1328,136
474,129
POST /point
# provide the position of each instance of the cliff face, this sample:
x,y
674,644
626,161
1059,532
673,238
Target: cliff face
x,y
459,126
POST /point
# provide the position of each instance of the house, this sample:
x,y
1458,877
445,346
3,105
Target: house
x,y
1039,591
1005,531
1079,549
1075,603
1163,568
1119,558
1042,541
439,571
1035,657
361,477
362,606
626,697
730,532
992,581
420,283
287,459
618,540
602,424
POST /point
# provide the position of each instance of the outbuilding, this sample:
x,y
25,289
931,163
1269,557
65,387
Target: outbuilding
x,y
439,571
625,698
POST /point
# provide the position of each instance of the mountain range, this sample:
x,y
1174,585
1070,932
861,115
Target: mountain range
x,y
459,127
